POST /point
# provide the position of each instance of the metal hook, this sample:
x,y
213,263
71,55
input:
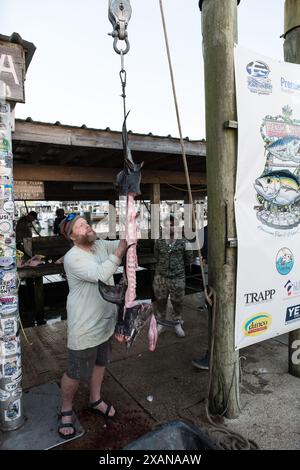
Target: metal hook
x,y
123,77
121,51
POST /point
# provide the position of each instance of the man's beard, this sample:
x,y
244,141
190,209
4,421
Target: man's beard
x,y
87,240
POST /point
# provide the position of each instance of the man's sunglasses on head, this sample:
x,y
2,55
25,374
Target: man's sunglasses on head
x,y
70,217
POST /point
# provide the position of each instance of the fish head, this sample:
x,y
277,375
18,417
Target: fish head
x,y
135,319
267,186
280,188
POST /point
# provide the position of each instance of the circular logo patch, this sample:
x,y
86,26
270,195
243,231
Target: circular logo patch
x,y
5,226
284,261
6,261
9,206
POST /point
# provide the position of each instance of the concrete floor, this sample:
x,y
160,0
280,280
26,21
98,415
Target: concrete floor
x,y
269,396
152,388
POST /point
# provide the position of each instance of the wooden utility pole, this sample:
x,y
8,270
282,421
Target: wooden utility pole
x,y
292,54
219,29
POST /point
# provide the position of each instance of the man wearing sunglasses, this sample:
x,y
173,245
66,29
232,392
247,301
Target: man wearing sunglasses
x,y
91,320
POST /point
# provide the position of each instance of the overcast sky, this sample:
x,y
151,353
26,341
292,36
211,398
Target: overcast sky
x,y
74,75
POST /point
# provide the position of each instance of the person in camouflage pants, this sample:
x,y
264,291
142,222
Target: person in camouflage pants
x,y
173,256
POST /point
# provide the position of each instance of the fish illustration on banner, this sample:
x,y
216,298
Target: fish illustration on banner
x,y
278,187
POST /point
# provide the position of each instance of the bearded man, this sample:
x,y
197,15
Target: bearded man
x,y
91,320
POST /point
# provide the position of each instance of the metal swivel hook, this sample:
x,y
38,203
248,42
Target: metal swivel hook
x,y
119,14
119,51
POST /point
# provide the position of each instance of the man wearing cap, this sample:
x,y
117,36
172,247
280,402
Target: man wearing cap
x,y
91,320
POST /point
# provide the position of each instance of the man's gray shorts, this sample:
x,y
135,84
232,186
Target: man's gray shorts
x,y
80,363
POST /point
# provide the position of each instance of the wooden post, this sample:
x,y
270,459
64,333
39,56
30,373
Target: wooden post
x,y
155,193
291,48
219,29
112,220
155,210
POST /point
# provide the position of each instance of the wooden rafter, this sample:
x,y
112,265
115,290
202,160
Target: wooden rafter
x,y
53,173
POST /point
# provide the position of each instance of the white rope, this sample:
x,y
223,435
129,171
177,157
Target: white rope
x,y
186,190
184,159
231,440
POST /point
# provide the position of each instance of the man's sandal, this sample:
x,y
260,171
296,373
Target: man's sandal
x,y
61,425
92,407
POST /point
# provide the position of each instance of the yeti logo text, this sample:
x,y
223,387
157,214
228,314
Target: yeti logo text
x,y
8,69
296,354
292,314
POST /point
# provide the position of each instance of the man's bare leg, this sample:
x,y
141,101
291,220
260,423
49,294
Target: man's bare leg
x,y
69,388
95,389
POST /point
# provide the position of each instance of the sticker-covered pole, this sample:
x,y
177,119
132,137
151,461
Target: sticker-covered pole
x,y
11,409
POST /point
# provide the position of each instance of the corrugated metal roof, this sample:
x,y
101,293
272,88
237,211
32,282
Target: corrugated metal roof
x,y
108,129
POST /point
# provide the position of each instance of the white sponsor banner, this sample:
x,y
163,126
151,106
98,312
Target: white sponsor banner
x,y
267,199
